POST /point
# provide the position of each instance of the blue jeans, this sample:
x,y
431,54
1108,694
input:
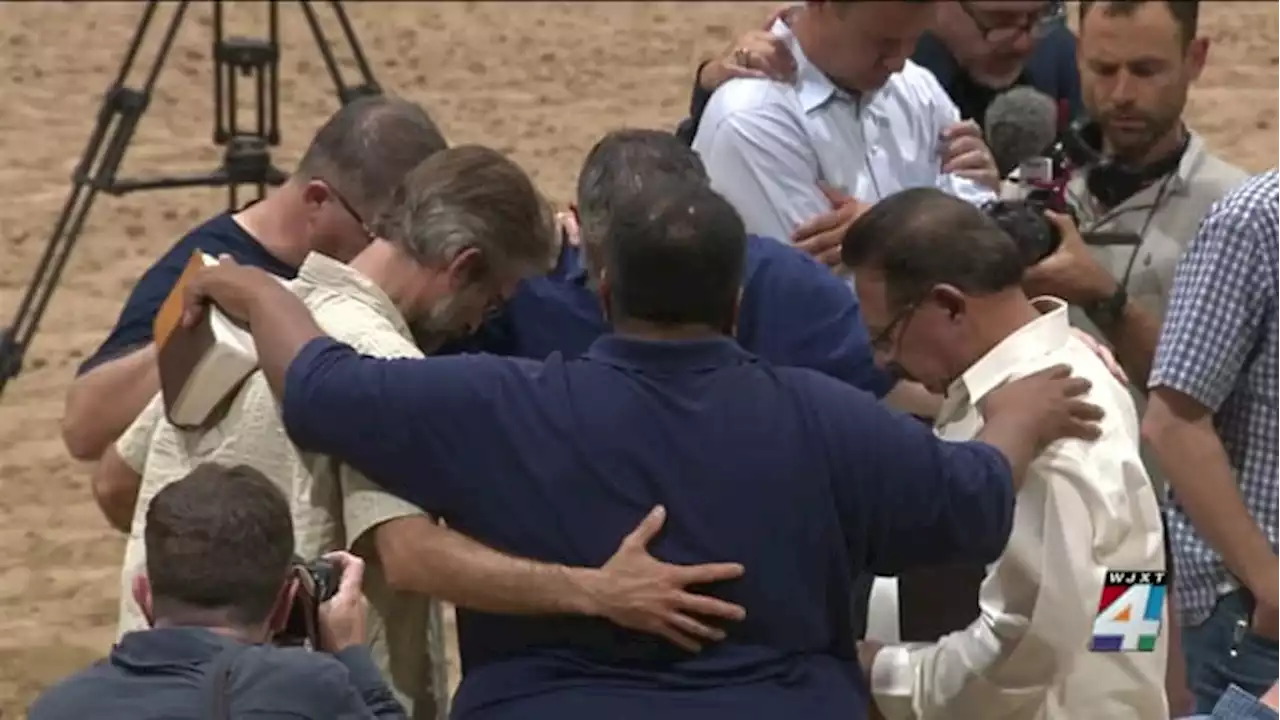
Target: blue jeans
x,y
1222,651
1237,704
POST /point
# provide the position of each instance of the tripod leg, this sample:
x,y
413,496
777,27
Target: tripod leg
x,y
346,93
117,119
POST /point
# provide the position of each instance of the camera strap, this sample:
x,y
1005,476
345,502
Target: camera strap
x,y
218,682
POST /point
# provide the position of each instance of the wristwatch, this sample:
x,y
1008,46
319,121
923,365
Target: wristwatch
x,y
1106,313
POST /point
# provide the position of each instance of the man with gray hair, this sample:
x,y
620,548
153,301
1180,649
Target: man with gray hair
x,y
355,160
459,232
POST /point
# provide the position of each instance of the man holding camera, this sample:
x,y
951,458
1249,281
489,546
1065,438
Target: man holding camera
x,y
1154,181
219,584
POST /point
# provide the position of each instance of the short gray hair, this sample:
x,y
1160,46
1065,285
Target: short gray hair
x,y
366,147
618,168
470,197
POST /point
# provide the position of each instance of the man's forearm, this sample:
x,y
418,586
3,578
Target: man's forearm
x,y
1134,337
1198,470
104,401
423,557
281,327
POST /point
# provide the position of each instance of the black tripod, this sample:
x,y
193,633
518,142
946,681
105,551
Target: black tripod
x,y
246,159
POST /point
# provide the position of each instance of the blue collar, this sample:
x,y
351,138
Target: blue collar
x,y
667,356
168,647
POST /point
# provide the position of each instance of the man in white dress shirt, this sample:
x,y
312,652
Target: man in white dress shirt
x,y
940,290
860,119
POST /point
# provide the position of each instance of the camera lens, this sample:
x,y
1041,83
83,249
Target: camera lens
x,y
1025,222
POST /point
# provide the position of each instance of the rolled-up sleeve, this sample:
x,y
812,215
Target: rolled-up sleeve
x,y
760,159
1037,604
906,498
1215,310
395,420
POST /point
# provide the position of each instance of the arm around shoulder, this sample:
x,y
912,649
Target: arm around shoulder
x,y
917,500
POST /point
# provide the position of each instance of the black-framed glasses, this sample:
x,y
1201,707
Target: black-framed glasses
x,y
350,209
884,341
1036,25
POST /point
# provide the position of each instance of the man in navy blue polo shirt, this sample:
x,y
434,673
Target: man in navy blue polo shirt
x,y
793,311
807,481
351,166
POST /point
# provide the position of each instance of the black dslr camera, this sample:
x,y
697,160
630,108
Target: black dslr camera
x,y
1024,221
317,583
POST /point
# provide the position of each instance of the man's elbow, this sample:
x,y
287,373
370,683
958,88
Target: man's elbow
x,y
1171,419
399,544
116,500
81,427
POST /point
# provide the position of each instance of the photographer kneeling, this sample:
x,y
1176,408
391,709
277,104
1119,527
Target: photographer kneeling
x,y
220,584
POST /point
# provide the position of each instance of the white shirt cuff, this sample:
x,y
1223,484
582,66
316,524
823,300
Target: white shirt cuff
x,y
892,681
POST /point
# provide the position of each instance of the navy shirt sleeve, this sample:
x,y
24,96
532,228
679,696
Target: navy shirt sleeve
x,y
797,313
408,424
219,236
1059,51
905,497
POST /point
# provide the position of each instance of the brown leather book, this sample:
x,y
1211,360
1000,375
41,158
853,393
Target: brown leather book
x,y
203,365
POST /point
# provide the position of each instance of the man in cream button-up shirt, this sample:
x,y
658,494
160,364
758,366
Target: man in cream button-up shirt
x,y
949,310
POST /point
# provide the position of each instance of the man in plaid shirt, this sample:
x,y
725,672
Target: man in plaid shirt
x,y
1212,421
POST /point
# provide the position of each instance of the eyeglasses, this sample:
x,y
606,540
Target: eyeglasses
x,y
884,341
350,209
1037,25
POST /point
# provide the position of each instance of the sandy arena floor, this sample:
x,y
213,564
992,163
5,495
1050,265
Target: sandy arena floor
x,y
539,80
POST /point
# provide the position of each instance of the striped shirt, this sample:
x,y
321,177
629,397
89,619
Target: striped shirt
x,y
1219,347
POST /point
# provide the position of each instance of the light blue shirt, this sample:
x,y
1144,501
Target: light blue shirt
x,y
767,144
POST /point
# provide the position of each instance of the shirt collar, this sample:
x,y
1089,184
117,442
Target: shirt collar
x,y
813,87
320,272
667,356
168,647
1037,338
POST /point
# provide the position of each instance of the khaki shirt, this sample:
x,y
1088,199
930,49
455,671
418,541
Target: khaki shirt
x,y
333,506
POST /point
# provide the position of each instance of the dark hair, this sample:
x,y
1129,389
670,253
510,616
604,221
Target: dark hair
x,y
470,197
675,255
367,146
924,237
619,165
220,539
1185,12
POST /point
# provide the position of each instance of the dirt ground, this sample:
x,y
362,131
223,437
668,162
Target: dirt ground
x,y
539,80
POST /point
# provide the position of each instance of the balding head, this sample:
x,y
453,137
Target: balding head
x,y
923,237
356,160
367,147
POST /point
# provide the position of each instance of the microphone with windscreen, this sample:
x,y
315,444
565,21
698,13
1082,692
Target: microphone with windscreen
x,y
1028,131
1021,125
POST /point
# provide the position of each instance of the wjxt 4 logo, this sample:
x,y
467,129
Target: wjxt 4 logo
x,y
1129,611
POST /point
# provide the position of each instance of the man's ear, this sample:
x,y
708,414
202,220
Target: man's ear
x,y
950,299
142,596
1197,55
465,268
315,193
603,289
